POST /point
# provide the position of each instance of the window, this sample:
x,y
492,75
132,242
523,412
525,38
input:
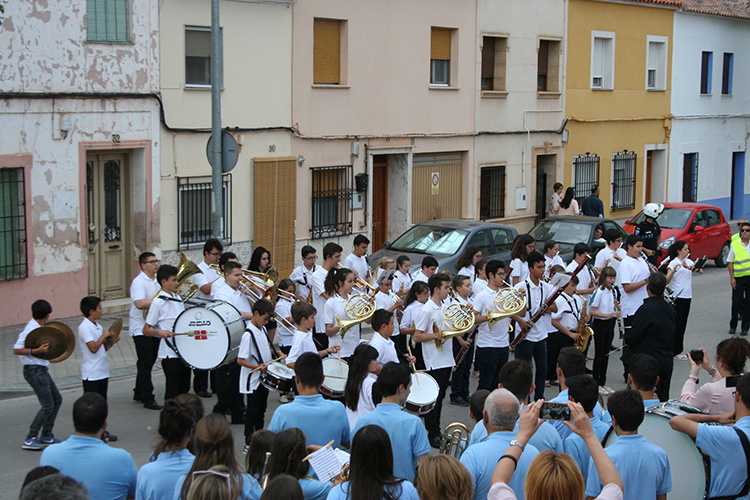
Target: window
x,y
481,241
656,63
602,60
726,74
502,238
585,175
707,59
108,21
690,177
12,224
623,180
331,200
494,52
198,57
194,209
440,57
713,218
327,51
492,192
548,66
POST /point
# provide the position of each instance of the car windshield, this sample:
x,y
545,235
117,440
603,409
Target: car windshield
x,y
671,218
428,239
562,231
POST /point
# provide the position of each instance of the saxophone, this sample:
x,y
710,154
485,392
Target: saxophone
x,y
584,331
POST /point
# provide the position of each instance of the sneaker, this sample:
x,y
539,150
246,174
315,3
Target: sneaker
x,y
603,391
32,444
46,441
681,356
743,333
436,441
283,398
732,331
245,449
459,402
609,390
152,405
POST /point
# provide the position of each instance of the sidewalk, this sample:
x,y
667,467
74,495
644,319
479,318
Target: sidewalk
x,y
67,374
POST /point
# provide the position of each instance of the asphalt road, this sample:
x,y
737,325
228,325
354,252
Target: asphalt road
x,y
136,426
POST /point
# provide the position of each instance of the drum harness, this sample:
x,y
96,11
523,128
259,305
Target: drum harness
x,y
257,349
746,487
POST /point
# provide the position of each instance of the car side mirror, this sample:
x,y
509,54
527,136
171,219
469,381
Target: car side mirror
x,y
628,221
698,228
386,244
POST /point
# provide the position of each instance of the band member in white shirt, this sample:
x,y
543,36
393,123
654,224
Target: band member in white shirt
x,y
385,299
634,273
492,341
438,362
461,374
565,321
401,278
142,290
429,267
551,256
533,346
467,261
357,260
220,283
339,286
331,258
612,254
417,297
585,284
523,245
302,276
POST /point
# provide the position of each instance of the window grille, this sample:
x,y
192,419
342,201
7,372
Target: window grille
x,y
623,180
108,21
690,177
13,261
492,193
194,211
586,173
331,201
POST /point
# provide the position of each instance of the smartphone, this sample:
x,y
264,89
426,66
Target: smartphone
x,y
732,380
555,411
697,355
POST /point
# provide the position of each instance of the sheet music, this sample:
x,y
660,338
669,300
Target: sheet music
x,y
327,462
560,280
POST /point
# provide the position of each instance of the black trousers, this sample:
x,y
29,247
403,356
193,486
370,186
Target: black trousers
x,y
147,349
229,395
555,342
432,420
665,379
741,303
400,343
177,377
97,386
462,373
257,402
200,380
490,360
536,352
320,339
682,308
604,332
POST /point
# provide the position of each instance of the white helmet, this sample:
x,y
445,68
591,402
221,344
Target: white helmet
x,y
653,210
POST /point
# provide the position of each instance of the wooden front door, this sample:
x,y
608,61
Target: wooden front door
x,y
275,210
379,202
108,209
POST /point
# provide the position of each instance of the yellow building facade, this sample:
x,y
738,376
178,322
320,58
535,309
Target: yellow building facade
x,y
618,101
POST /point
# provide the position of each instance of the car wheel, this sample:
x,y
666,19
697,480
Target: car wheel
x,y
721,260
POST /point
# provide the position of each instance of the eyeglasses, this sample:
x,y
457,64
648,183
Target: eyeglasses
x,y
152,262
225,475
745,230
311,258
215,254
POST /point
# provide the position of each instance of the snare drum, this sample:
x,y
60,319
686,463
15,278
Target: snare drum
x,y
423,394
215,331
683,455
336,374
278,377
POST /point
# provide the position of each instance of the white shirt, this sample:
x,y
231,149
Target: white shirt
x,y
468,271
385,347
161,316
584,276
302,278
682,279
142,288
607,254
206,276
633,271
358,264
411,313
420,277
549,262
554,204
497,336
604,300
303,342
568,310
217,287
365,404
335,309
94,365
319,302
478,287
384,301
21,341
434,359
250,353
284,310
235,297
520,269
400,281
536,297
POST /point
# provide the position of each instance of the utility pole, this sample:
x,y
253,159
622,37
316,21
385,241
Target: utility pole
x,y
217,217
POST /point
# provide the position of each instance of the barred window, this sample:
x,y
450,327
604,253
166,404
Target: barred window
x,y
331,201
492,193
194,211
12,224
586,175
108,21
623,180
690,177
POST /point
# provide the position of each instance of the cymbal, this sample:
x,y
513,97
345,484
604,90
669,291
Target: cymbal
x,y
115,330
60,337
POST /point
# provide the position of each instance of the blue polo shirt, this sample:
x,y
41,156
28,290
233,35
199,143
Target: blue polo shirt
x,y
481,459
643,467
545,438
108,473
650,402
728,462
403,491
251,490
156,480
408,436
312,489
319,419
576,447
562,429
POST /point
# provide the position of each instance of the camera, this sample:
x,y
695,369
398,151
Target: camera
x,y
555,411
697,355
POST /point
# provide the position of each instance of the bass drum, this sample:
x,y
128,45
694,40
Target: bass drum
x,y
214,332
684,456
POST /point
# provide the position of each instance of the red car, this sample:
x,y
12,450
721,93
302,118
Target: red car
x,y
703,227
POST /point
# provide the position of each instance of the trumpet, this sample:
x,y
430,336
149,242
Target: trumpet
x,y
458,319
359,307
185,269
508,302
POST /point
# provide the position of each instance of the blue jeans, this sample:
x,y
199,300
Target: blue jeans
x,y
49,397
537,351
490,360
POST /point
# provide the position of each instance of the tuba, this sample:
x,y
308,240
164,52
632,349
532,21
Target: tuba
x,y
359,307
185,269
583,330
508,302
458,320
455,440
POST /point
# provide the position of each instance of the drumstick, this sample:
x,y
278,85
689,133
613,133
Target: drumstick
x,y
412,364
341,368
334,376
258,367
326,446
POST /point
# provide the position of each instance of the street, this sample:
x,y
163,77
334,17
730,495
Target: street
x,y
136,426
